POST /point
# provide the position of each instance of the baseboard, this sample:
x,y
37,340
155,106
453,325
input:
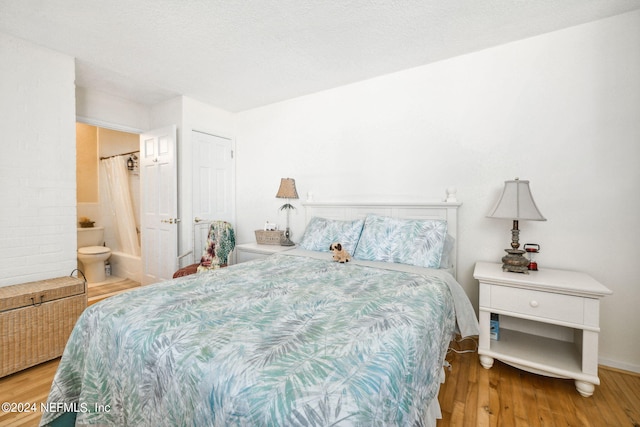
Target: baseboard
x,y
608,363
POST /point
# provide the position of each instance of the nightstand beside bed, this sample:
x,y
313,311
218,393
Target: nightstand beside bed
x,y
250,251
548,322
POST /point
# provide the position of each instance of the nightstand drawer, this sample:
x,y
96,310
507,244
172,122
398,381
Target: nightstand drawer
x,y
547,305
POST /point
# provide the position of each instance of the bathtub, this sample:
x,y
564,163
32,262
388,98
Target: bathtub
x,y
126,266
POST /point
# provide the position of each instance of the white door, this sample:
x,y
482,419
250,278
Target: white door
x,y
212,184
159,204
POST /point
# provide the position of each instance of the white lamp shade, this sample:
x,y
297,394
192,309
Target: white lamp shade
x,y
516,202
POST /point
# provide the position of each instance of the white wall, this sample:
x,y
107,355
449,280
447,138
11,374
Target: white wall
x,y
37,164
560,110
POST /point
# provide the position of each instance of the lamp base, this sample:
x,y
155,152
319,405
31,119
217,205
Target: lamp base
x,y
515,262
285,240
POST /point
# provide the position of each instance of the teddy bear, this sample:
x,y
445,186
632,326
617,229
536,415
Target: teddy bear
x,y
339,254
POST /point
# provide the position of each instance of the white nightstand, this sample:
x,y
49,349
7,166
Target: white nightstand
x,y
248,251
549,322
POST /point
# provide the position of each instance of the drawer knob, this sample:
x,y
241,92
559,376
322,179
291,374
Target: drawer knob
x,y
533,303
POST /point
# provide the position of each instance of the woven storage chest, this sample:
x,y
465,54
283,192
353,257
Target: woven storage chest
x,y
36,320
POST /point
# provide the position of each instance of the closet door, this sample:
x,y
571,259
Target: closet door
x,y
213,185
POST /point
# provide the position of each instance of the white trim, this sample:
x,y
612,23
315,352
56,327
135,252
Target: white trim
x,y
108,125
630,367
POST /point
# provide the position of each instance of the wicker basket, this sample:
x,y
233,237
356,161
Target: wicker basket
x,y
36,320
269,237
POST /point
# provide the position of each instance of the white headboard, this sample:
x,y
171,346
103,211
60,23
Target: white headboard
x,y
447,211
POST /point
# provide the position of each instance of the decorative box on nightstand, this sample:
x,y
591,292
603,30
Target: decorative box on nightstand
x,y
549,322
249,251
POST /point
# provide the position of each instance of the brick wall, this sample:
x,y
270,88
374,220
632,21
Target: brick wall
x,y
37,163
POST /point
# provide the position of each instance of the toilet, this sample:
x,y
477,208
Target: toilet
x,y
91,255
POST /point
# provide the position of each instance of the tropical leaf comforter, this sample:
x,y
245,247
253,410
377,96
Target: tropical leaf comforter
x,y
284,341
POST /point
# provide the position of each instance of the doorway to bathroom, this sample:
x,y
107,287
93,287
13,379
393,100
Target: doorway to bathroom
x,y
207,193
108,194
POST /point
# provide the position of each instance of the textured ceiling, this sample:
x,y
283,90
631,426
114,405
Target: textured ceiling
x,y
240,54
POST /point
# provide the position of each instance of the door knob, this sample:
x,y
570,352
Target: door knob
x,y
170,220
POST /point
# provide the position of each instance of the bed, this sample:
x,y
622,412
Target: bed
x,y
293,339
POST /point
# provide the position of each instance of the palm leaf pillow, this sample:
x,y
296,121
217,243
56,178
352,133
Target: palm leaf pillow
x,y
322,232
406,241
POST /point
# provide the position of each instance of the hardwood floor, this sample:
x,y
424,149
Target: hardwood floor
x,y
506,396
30,387
100,292
472,396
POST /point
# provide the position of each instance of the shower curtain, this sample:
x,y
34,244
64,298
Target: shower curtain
x,y
125,222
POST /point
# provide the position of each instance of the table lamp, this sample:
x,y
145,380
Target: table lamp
x,y
287,191
516,203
